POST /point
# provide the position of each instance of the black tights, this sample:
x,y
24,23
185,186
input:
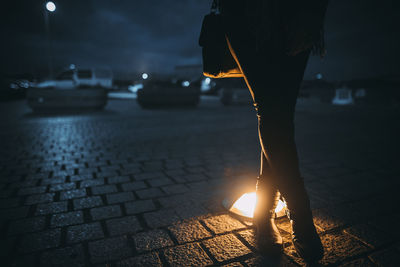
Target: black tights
x,y
274,80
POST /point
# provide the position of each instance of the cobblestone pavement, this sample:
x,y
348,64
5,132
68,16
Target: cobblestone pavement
x,y
133,187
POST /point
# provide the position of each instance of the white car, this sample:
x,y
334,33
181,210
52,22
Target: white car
x,y
79,78
72,89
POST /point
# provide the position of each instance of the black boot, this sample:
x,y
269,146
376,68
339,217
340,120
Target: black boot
x,y
304,235
269,240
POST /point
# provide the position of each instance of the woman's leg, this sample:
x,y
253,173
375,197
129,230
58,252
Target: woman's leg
x,y
274,82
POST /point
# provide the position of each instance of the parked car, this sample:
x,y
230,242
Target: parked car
x,y
13,87
168,93
73,78
72,89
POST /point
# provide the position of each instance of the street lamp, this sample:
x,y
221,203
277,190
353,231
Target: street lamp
x,y
49,7
145,76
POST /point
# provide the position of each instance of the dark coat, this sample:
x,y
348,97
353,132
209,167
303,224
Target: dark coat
x,y
295,25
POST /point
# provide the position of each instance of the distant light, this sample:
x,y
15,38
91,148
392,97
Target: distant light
x,y
72,66
185,83
207,81
50,6
145,76
318,76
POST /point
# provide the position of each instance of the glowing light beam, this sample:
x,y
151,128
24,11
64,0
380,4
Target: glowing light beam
x,y
246,204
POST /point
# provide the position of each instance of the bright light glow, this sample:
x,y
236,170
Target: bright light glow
x,y
185,83
246,205
207,81
50,6
145,76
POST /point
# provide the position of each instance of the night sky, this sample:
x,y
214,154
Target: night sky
x,y
155,35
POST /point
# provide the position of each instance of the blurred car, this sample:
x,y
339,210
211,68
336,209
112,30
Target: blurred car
x,y
168,93
13,87
72,89
73,78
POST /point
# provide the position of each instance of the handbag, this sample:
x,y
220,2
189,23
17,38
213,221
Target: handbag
x,y
218,61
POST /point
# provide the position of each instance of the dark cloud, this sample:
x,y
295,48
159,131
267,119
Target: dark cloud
x,y
155,35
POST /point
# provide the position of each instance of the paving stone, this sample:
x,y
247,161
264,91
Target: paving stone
x,y
125,225
223,223
188,211
233,264
386,257
226,247
53,180
40,198
146,260
339,246
249,236
64,257
139,206
105,189
365,262
175,189
32,190
175,172
257,261
159,181
105,212
50,208
64,219
324,221
40,240
61,187
187,255
151,240
148,175
133,186
26,225
79,233
81,177
174,201
118,179
89,202
160,218
188,231
106,250
92,182
369,234
71,194
195,177
120,197
149,193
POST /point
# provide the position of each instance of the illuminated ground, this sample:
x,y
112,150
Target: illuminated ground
x,y
134,187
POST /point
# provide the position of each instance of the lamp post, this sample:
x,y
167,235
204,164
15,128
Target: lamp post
x,y
49,7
